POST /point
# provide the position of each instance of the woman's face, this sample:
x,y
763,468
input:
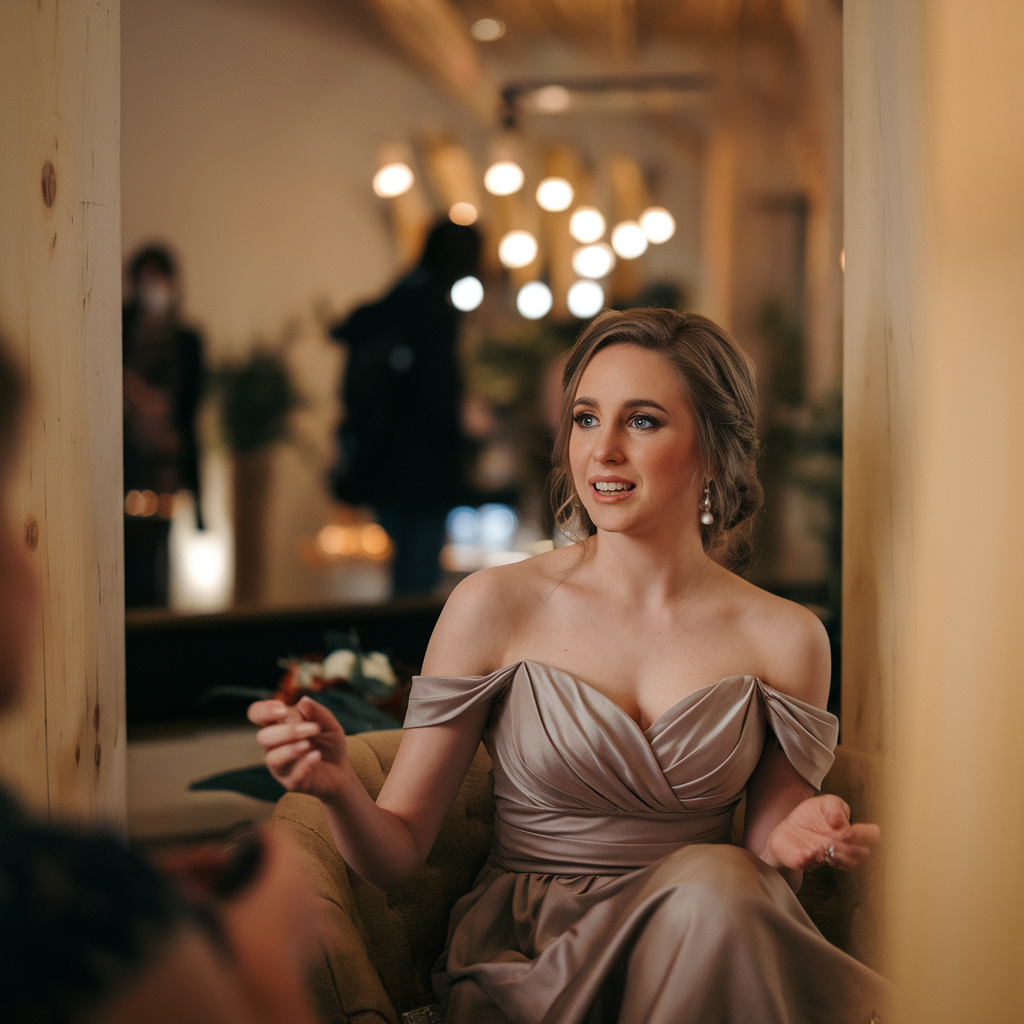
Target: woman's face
x,y
18,602
633,450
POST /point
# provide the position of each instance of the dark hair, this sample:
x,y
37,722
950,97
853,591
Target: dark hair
x,y
718,378
12,400
452,251
156,256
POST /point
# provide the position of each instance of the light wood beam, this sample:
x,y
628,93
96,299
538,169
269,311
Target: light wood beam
x,y
60,303
435,37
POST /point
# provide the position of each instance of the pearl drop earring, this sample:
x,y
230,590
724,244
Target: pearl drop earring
x,y
705,506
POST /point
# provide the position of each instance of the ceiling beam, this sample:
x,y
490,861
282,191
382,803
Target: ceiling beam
x,y
434,36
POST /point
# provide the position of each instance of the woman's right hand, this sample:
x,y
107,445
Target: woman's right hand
x,y
303,745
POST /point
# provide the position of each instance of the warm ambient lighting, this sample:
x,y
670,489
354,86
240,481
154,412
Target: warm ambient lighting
x,y
593,260
503,178
629,240
467,293
463,213
585,299
368,540
658,224
517,249
149,503
392,180
552,99
534,300
554,194
488,29
586,224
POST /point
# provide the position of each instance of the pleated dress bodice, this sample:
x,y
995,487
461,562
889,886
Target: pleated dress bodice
x,y
580,788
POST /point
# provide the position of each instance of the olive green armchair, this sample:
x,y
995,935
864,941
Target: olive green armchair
x,y
379,948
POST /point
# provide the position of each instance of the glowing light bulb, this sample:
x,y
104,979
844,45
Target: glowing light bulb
x,y
488,29
534,300
554,194
552,99
585,299
658,224
586,224
629,240
503,178
517,249
463,213
392,180
593,260
467,293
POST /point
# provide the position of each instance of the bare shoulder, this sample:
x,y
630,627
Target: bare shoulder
x,y
792,644
483,614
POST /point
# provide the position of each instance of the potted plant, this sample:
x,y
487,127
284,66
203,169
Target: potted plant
x,y
255,397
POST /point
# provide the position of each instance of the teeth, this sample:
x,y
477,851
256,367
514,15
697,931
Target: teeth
x,y
602,485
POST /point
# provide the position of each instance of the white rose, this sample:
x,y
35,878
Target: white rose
x,y
339,665
377,666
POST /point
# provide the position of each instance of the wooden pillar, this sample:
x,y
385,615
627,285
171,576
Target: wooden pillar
x,y
881,237
60,307
948,194
718,212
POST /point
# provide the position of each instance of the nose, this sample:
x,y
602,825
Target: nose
x,y
608,446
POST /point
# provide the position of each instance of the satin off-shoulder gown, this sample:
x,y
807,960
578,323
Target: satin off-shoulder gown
x,y
613,893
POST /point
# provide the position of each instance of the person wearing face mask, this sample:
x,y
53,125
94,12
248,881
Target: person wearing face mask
x,y
163,381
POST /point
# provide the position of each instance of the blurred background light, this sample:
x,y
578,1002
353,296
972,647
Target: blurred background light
x,y
534,300
586,224
552,99
554,194
467,293
517,249
488,29
463,213
496,524
503,178
392,180
629,240
657,224
461,525
593,260
586,299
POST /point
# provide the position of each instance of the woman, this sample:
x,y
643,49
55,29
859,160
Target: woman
x,y
88,930
630,688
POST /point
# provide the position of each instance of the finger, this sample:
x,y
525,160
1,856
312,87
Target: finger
x,y
836,812
299,776
313,711
280,758
289,732
865,835
266,712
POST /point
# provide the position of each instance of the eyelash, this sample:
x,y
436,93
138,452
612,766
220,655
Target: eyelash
x,y
581,416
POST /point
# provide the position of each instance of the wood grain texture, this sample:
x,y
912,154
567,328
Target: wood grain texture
x,y
882,194
934,560
60,300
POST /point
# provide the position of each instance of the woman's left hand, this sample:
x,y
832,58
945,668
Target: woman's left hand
x,y
805,837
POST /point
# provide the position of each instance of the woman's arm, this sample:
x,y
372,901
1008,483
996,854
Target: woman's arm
x,y
786,825
388,841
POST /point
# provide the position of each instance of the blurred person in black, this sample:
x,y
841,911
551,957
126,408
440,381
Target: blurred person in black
x,y
400,442
163,381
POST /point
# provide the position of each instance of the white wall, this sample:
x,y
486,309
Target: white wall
x,y
250,134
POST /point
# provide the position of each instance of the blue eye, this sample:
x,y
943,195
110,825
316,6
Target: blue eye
x,y
585,419
642,422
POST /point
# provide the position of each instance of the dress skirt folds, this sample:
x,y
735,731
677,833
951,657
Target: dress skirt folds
x,y
613,893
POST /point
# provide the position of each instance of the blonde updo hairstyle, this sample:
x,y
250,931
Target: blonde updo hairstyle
x,y
718,379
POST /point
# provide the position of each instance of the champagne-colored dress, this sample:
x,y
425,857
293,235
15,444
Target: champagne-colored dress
x,y
613,893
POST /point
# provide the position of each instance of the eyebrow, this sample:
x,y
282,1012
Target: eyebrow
x,y
633,403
